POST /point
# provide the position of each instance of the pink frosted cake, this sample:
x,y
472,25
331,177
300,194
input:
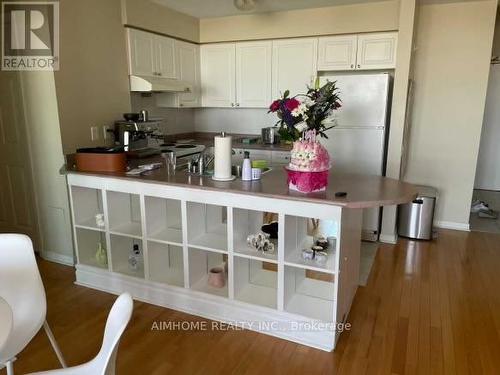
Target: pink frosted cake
x,y
309,165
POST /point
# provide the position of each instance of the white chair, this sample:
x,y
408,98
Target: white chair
x,y
21,286
5,322
105,361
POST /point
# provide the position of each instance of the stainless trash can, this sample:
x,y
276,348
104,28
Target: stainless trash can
x,y
415,218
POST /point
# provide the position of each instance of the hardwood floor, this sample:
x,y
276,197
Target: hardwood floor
x,y
428,308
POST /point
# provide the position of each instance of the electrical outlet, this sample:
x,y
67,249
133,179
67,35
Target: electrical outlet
x,y
94,133
106,132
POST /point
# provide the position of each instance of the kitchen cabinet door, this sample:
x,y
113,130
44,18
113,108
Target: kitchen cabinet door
x,y
189,71
166,65
218,75
377,51
294,65
337,52
141,53
253,74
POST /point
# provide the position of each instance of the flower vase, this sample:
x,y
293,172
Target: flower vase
x,y
307,181
309,165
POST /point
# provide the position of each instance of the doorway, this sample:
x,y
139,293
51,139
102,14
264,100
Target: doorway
x,y
18,213
485,206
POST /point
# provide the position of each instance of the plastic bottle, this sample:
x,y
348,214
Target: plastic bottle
x,y
246,169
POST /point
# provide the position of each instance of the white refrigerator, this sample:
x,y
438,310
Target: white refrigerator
x,y
357,144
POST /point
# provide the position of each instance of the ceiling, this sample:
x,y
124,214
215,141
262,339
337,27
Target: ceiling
x,y
221,8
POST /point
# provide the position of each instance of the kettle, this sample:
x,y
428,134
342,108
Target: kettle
x,y
270,135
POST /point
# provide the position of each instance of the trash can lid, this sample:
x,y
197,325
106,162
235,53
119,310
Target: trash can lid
x,y
426,191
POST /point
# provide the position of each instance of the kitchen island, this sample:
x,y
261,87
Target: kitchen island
x,y
161,235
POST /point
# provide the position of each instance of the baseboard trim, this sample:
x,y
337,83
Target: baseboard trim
x,y
388,238
210,307
452,225
52,256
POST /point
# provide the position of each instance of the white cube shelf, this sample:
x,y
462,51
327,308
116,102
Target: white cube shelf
x,y
200,263
255,282
87,203
309,293
166,264
121,250
164,220
300,233
124,213
247,222
88,241
182,233
207,226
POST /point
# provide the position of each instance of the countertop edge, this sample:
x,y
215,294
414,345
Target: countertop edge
x,y
300,198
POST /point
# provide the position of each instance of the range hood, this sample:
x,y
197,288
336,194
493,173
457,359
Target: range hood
x,y
158,84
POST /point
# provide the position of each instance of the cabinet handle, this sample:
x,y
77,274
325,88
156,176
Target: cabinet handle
x,y
352,66
232,104
237,104
159,74
181,105
359,66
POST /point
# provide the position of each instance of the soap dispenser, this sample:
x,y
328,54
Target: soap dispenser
x,y
246,169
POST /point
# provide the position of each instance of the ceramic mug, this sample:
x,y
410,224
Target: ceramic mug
x,y
216,277
256,173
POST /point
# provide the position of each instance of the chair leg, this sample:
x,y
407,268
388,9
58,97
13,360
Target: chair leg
x,y
53,342
10,367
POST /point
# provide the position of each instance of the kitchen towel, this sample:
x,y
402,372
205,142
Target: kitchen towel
x,y
222,164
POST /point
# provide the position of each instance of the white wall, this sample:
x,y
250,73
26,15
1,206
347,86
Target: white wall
x,y
341,19
92,83
454,42
241,120
147,15
176,120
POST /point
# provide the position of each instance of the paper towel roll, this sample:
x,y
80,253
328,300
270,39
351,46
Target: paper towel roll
x,y
223,151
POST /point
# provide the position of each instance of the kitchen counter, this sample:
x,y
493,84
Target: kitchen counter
x,y
363,191
163,235
207,139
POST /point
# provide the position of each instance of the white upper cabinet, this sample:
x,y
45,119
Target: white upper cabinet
x,y
253,74
151,55
189,71
357,52
218,75
337,52
166,66
294,65
142,55
377,51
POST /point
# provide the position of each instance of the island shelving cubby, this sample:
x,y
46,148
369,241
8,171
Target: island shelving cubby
x,y
181,233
